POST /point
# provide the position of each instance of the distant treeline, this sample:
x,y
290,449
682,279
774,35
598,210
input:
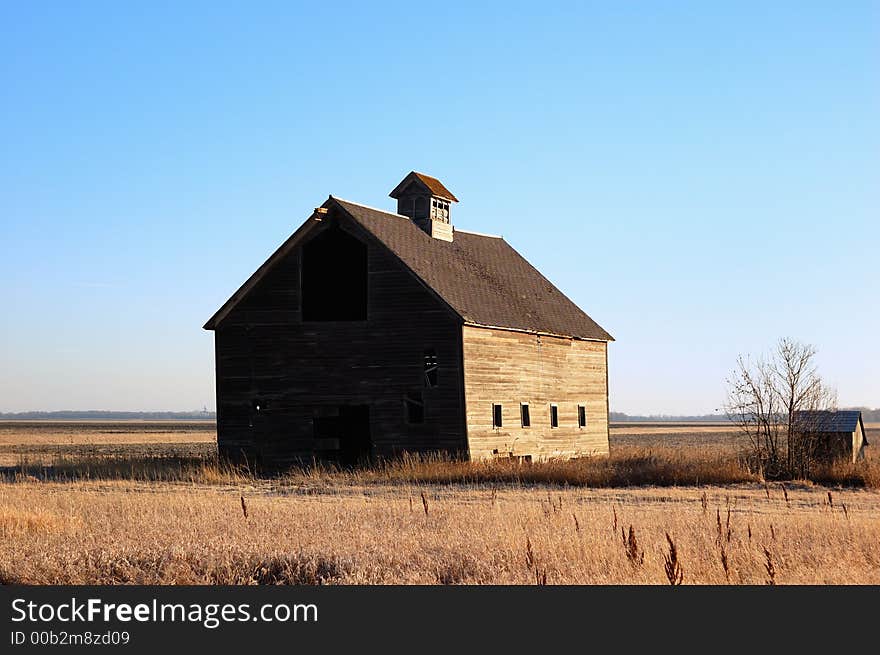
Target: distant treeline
x,y
99,415
620,417
868,416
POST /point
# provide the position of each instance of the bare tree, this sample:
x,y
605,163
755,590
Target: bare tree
x,y
773,400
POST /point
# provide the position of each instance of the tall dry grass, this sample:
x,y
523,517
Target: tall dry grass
x,y
150,533
208,469
653,512
627,466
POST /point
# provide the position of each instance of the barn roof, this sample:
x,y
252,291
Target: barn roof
x,y
480,277
830,421
434,185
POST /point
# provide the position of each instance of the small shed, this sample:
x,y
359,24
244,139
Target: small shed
x,y
837,434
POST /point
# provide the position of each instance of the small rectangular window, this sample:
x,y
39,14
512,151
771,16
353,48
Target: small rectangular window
x,y
431,368
496,416
582,416
415,407
524,415
554,416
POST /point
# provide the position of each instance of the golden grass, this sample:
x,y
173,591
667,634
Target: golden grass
x,y
627,466
197,469
15,523
149,533
660,509
83,433
43,441
674,429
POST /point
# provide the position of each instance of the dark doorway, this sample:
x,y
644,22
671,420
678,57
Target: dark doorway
x,y
342,435
356,446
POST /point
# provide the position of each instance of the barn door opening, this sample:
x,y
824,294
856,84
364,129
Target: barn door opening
x,y
356,446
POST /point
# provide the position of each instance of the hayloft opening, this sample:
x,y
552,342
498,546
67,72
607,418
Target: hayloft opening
x,y
334,278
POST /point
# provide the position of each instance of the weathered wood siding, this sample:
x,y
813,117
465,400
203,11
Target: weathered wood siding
x,y
831,446
858,443
509,368
302,370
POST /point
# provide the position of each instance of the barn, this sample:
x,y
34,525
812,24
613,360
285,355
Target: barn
x,y
369,333
835,434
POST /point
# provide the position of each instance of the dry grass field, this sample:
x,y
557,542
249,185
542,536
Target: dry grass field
x,y
42,441
149,513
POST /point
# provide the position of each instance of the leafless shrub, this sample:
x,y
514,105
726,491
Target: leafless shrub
x,y
767,398
425,503
244,508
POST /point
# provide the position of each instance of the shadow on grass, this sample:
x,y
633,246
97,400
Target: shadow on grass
x,y
626,467
142,468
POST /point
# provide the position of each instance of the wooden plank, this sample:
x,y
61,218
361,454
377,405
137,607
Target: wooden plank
x,y
510,368
299,369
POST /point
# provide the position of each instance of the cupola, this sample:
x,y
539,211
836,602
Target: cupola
x,y
425,201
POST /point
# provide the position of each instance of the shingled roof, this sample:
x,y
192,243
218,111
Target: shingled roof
x,y
434,185
481,278
830,421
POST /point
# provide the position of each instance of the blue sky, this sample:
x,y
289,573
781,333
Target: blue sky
x,y
701,178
